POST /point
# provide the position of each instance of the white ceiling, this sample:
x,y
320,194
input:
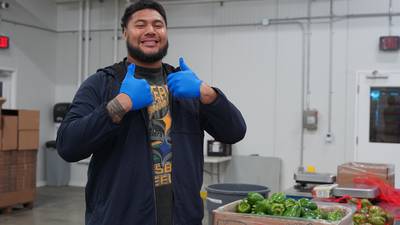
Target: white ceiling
x,y
177,1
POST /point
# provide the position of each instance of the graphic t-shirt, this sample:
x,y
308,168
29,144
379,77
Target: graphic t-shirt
x,y
160,142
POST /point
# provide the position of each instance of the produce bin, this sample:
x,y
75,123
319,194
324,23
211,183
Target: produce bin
x,y
222,194
227,215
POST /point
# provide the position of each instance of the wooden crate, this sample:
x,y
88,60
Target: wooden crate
x,y
226,215
12,199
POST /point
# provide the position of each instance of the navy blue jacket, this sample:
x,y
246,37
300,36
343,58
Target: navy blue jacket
x,y
120,187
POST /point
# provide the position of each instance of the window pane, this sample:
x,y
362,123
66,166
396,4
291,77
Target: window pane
x,y
384,115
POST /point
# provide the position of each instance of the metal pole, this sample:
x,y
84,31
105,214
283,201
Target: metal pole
x,y
80,40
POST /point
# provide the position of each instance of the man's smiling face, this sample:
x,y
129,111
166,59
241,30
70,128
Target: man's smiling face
x,y
146,36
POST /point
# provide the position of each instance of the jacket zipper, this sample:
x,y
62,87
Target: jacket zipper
x,y
171,106
146,119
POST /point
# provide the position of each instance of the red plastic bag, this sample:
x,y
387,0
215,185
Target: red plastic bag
x,y
387,192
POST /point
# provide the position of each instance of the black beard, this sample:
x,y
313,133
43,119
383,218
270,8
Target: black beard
x,y
139,55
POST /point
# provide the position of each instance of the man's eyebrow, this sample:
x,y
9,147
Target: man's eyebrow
x,y
145,21
139,20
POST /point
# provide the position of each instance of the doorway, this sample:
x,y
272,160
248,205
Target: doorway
x,y
378,119
8,87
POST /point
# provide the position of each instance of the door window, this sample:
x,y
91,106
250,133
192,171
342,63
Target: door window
x,y
384,114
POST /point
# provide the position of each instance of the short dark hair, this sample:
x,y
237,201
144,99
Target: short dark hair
x,y
139,5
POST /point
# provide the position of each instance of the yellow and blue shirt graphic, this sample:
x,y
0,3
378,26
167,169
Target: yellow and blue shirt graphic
x,y
159,133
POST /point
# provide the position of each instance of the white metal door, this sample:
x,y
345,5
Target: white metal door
x,y
378,119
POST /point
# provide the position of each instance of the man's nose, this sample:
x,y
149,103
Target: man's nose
x,y
150,29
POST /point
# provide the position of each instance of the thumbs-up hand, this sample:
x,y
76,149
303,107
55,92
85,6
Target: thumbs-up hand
x,y
138,90
184,83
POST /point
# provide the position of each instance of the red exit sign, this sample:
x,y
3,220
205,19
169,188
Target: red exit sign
x,y
389,43
4,42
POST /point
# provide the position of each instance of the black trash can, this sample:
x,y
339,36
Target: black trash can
x,y
222,194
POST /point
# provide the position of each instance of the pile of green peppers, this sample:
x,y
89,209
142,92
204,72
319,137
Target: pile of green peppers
x,y
279,205
371,215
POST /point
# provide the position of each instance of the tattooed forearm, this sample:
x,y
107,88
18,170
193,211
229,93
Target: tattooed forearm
x,y
115,110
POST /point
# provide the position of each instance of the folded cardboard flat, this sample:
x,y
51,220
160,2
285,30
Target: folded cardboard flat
x,y
347,172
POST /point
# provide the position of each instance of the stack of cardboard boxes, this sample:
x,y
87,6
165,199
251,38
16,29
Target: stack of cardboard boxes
x,y
19,141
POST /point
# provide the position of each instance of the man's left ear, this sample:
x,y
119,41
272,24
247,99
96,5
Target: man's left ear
x,y
124,34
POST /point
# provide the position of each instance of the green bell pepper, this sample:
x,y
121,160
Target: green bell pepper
x,y
365,203
307,203
293,211
310,215
359,218
335,215
278,197
243,207
376,220
289,202
321,214
277,209
312,205
317,213
262,206
376,210
254,197
304,211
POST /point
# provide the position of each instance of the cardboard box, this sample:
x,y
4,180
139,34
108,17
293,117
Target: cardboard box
x,y
27,128
226,215
9,133
28,139
28,120
347,172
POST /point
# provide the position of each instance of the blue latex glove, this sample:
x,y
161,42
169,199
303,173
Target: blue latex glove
x,y
184,83
138,90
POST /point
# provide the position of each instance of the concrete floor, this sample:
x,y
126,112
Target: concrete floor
x,y
54,206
